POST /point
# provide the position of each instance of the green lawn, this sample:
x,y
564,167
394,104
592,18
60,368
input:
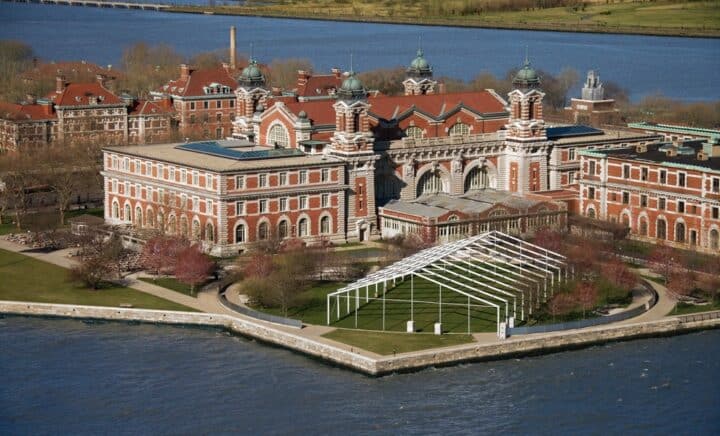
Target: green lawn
x,y
40,219
684,308
23,278
311,306
390,343
173,284
425,310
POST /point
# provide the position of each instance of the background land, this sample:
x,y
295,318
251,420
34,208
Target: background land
x,y
663,17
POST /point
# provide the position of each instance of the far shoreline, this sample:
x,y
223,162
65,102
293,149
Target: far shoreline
x,y
626,30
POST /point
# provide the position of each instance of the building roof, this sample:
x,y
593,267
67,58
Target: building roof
x,y
204,155
194,85
571,131
318,86
319,112
84,94
24,112
147,107
71,70
471,203
437,106
697,131
655,153
603,137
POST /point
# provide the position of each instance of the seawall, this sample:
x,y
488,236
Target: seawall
x,y
286,338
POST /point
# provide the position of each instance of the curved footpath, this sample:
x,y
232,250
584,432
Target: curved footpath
x,y
308,340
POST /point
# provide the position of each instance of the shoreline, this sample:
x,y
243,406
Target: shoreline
x,y
552,27
368,363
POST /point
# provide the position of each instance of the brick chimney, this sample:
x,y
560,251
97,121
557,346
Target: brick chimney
x,y
441,88
336,72
233,54
30,99
60,84
101,79
47,107
184,71
276,91
303,77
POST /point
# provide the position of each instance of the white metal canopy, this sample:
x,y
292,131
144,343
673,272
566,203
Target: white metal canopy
x,y
492,269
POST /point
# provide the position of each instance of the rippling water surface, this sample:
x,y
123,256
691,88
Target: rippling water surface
x,y
69,377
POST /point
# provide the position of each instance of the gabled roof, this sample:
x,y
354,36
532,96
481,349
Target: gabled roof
x,y
23,112
317,86
146,107
436,106
84,94
319,112
198,79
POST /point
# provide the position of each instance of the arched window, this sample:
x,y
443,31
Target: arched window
x,y
430,183
625,220
209,232
183,227
661,229
714,239
161,221
195,229
172,225
240,233
302,228
591,213
138,217
149,217
643,227
477,178
325,225
679,232
127,216
414,132
278,134
115,210
263,231
283,229
459,129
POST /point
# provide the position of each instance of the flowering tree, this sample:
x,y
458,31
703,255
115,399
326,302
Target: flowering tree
x,y
586,295
560,304
681,283
160,253
617,273
663,260
192,267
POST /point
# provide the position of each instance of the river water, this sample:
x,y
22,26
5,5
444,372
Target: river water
x,y
682,68
69,377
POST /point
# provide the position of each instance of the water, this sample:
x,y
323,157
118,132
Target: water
x,y
681,68
67,377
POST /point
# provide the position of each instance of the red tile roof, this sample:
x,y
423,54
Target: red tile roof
x,y
84,94
24,112
318,112
197,79
145,107
316,86
70,69
435,105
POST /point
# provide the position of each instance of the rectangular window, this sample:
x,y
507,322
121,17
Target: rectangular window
x,y
663,176
206,104
325,175
263,206
626,171
591,193
644,174
571,154
232,103
218,104
195,178
681,179
262,180
716,213
303,202
661,203
239,208
681,206
716,184
239,182
643,200
592,168
283,204
218,117
303,177
571,178
183,176
209,207
195,204
325,200
208,181
161,171
282,179
114,186
192,105
626,198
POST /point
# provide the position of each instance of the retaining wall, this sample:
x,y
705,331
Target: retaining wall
x,y
284,337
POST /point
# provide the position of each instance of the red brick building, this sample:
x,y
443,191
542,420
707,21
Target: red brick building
x,y
664,192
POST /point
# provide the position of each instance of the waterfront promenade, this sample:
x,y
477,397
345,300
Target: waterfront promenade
x,y
308,340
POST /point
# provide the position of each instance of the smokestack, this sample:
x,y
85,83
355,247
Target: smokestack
x,y
59,84
184,71
233,60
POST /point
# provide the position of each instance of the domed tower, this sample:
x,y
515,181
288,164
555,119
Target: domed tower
x,y
526,117
352,128
353,143
524,164
251,98
418,75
